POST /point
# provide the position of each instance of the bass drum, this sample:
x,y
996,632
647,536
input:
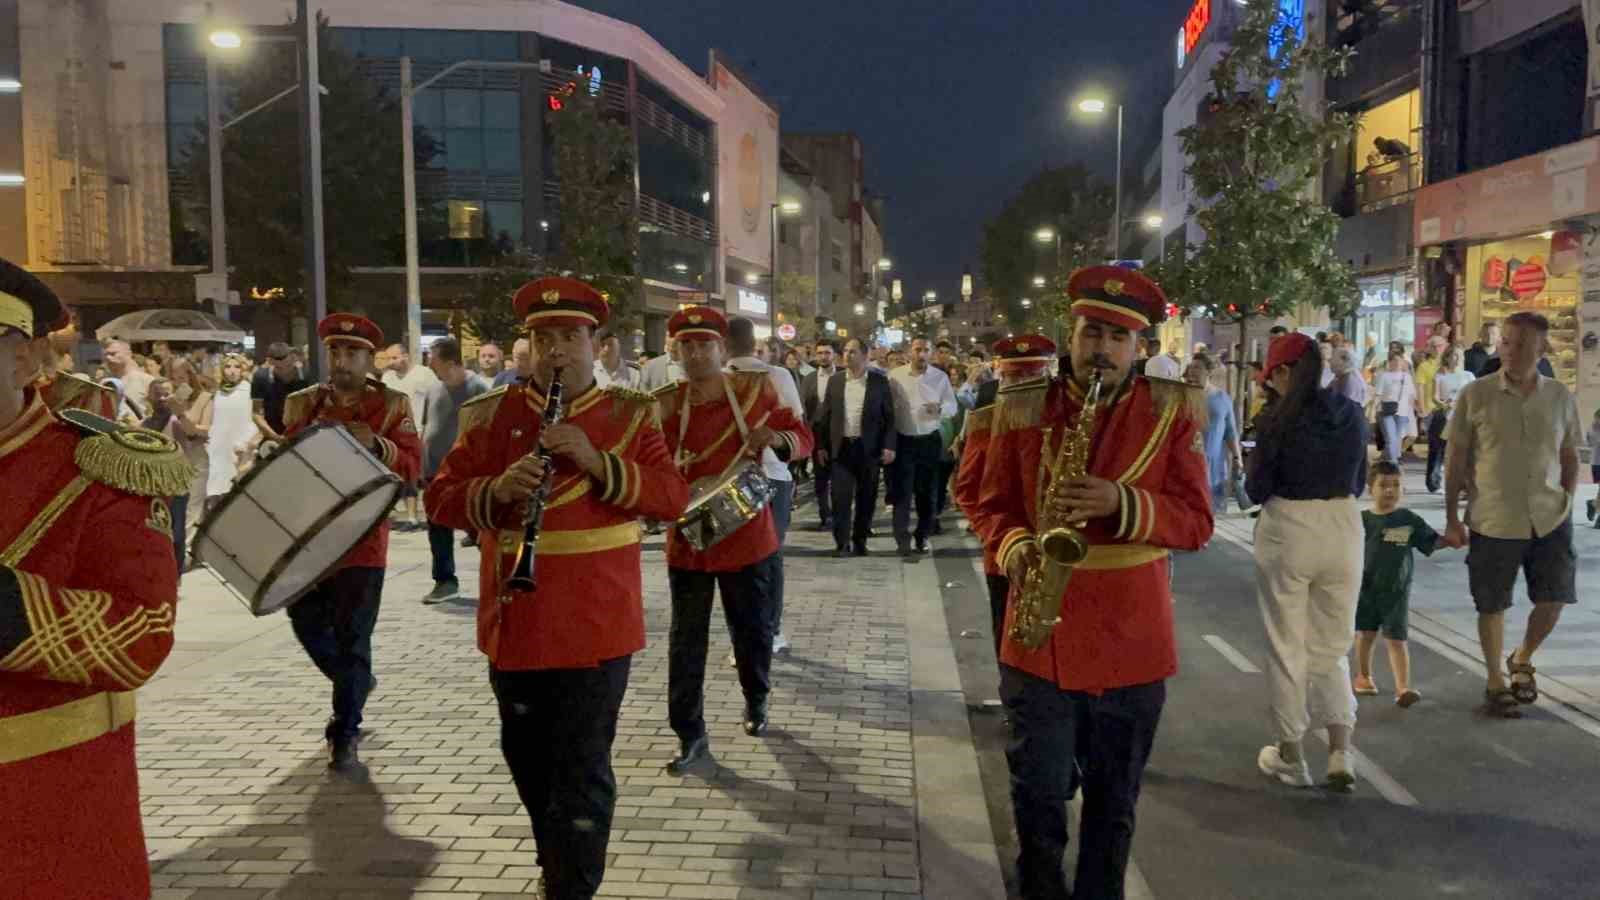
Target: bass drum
x,y
291,519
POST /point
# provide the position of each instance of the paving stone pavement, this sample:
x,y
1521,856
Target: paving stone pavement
x,y
238,804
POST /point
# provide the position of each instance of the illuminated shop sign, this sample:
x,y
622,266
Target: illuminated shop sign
x,y
1194,26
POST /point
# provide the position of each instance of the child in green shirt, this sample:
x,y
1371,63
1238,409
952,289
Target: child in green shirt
x,y
1392,533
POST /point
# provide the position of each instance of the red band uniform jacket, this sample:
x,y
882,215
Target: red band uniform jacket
x,y
969,478
711,447
388,413
88,596
589,603
1116,625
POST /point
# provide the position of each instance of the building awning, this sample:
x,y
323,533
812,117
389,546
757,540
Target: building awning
x,y
1522,196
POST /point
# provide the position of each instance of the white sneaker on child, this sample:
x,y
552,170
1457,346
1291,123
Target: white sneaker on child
x,y
1272,764
1341,774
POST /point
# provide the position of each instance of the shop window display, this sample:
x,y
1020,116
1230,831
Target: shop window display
x,y
1538,273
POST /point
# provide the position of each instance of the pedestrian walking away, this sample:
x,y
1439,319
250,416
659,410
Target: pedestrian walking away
x,y
560,653
1392,533
441,412
1090,696
335,621
1308,466
713,422
855,437
1514,457
88,598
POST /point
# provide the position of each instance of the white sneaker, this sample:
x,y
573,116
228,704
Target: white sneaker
x,y
733,661
1341,774
780,644
1272,764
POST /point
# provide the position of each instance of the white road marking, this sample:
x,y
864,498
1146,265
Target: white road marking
x,y
1238,659
1508,753
1391,790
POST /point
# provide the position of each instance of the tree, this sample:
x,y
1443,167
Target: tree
x,y
597,233
1254,158
361,184
1064,199
796,298
486,304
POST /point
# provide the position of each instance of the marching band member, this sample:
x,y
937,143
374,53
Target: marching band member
x,y
713,422
335,621
1017,360
1093,693
84,621
559,656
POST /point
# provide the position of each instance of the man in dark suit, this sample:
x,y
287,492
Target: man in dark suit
x,y
856,428
813,393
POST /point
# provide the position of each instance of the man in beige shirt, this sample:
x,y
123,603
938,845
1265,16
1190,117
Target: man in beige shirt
x,y
1513,449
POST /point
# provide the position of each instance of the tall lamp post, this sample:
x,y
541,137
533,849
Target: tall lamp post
x,y
1096,106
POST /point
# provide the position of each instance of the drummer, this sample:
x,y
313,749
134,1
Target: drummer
x,y
710,438
335,621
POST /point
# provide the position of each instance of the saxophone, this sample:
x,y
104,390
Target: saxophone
x,y
1061,546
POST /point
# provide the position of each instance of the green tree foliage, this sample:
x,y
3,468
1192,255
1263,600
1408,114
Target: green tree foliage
x,y
796,302
1065,199
597,234
361,185
1254,158
485,306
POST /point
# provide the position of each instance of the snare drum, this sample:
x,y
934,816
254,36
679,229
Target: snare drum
x,y
720,506
290,520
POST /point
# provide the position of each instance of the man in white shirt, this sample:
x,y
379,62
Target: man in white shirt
x,y
855,432
662,371
609,366
923,397
134,380
413,381
814,396
1164,365
742,358
1513,451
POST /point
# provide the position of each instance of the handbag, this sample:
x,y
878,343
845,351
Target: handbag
x,y
1389,408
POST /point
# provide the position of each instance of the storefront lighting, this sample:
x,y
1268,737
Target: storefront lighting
x,y
680,267
885,264
751,278
1026,303
789,207
705,196
10,86
225,39
10,179
544,224
1547,235
861,309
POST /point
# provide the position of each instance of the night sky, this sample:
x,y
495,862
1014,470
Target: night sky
x,y
956,103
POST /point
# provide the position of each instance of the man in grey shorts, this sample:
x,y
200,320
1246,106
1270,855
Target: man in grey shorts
x,y
1513,448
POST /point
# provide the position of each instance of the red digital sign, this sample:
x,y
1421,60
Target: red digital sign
x,y
1195,25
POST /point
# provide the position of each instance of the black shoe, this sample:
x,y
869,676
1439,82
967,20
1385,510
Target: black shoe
x,y
922,545
859,549
755,720
938,527
841,553
342,755
442,591
689,753
1591,510
826,525
871,533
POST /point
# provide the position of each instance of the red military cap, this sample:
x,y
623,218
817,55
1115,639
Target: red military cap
x,y
1116,295
560,302
698,323
349,328
1285,350
1024,348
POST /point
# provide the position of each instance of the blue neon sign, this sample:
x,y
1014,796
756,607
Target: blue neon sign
x,y
1291,19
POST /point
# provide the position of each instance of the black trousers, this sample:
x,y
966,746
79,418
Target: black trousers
x,y
747,606
442,546
556,731
1436,450
822,480
917,459
334,623
855,493
999,588
1109,738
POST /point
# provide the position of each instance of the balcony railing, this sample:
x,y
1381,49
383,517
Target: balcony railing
x,y
1388,182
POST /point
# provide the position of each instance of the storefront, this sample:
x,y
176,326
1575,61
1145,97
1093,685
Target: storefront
x,y
1511,238
1388,312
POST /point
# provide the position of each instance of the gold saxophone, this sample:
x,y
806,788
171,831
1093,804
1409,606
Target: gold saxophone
x,y
1061,546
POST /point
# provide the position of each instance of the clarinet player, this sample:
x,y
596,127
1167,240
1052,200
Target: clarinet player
x,y
559,654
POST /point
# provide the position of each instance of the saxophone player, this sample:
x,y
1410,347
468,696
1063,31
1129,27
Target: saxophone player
x,y
559,655
1090,695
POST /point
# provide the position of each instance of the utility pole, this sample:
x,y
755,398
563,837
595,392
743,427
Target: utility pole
x,y
316,260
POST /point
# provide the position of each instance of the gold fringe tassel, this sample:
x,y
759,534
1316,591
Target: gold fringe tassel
x,y
159,471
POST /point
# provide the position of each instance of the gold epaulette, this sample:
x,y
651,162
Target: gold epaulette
x,y
626,402
665,389
480,410
667,398
298,405
1019,405
1166,391
978,420
135,460
396,406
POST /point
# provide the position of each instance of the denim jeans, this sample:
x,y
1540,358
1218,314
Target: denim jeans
x,y
1394,427
334,624
782,508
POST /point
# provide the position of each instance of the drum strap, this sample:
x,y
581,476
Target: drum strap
x,y
684,454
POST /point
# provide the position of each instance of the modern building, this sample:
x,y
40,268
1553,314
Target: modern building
x,y
1504,220
812,244
108,102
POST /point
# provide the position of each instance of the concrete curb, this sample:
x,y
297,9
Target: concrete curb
x,y
959,857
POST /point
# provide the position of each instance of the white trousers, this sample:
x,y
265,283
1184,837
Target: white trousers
x,y
1308,575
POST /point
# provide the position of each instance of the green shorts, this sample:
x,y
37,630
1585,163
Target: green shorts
x,y
1384,611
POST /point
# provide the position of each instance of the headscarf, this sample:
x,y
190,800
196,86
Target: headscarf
x,y
243,365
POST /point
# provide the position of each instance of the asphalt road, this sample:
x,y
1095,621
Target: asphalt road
x,y
1449,803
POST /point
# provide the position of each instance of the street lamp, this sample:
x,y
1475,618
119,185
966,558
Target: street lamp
x,y
1096,106
225,39
1038,281
1153,221
895,292
966,286
1045,235
788,208
884,263
861,309
929,296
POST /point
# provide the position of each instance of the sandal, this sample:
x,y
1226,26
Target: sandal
x,y
1407,698
1369,689
1501,703
1523,685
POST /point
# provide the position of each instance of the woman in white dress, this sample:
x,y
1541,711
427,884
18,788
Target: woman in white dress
x,y
232,427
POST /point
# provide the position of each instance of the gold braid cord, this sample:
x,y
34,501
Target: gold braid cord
x,y
71,644
1167,392
1019,406
137,461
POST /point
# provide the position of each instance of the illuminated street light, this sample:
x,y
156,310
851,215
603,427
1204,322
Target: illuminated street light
x,y
895,292
225,39
966,286
790,207
884,264
10,86
10,179
1153,221
1092,105
680,267
1038,281
929,296
1096,106
1026,303
1045,235
861,309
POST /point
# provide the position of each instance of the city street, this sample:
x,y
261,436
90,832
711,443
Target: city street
x,y
871,784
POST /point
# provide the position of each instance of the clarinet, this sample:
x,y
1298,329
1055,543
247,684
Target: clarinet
x,y
523,577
